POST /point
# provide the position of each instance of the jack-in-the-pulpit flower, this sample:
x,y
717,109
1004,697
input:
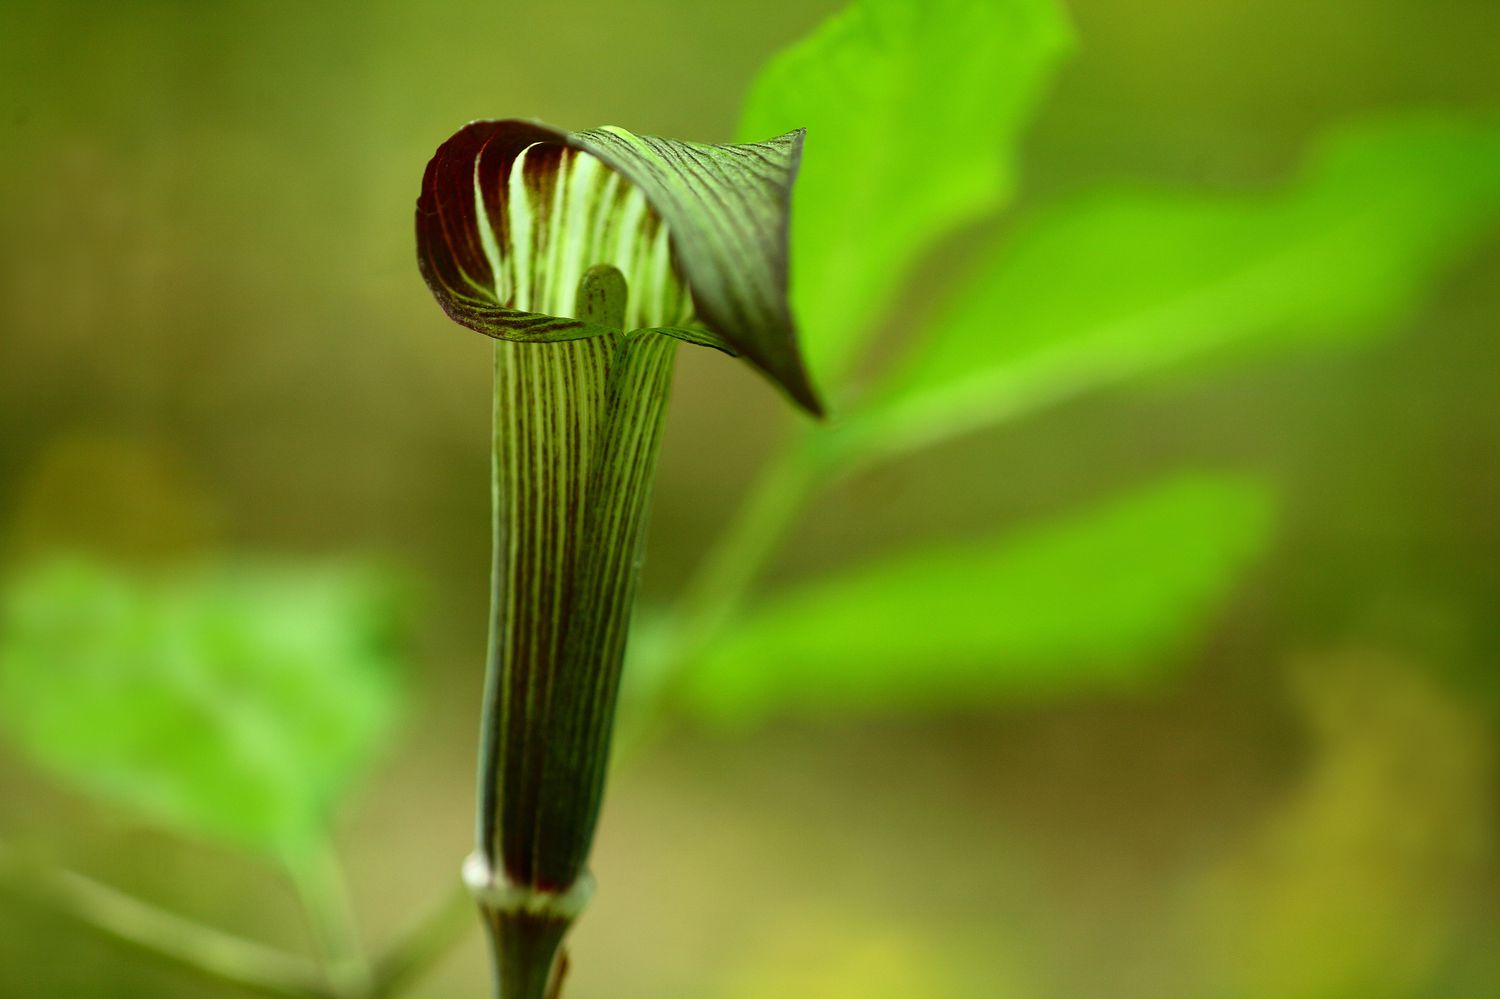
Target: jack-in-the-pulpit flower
x,y
588,256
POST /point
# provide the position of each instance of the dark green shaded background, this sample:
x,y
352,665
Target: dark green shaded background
x,y
213,336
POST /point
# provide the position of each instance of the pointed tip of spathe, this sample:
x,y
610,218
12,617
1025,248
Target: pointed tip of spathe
x,y
799,388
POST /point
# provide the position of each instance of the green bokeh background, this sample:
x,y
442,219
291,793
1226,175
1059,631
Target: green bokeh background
x,y
213,338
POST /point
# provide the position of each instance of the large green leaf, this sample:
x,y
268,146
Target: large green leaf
x,y
513,213
235,703
913,110
1122,283
1099,599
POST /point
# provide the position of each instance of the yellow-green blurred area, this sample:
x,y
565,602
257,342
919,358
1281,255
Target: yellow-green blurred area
x,y
1242,737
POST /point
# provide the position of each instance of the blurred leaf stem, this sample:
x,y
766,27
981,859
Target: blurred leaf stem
x,y
323,890
736,559
342,972
207,950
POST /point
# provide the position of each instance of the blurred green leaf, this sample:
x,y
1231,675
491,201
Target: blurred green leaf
x,y
1122,283
913,109
1098,599
233,703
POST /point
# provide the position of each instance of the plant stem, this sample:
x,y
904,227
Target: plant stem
x,y
529,959
204,949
